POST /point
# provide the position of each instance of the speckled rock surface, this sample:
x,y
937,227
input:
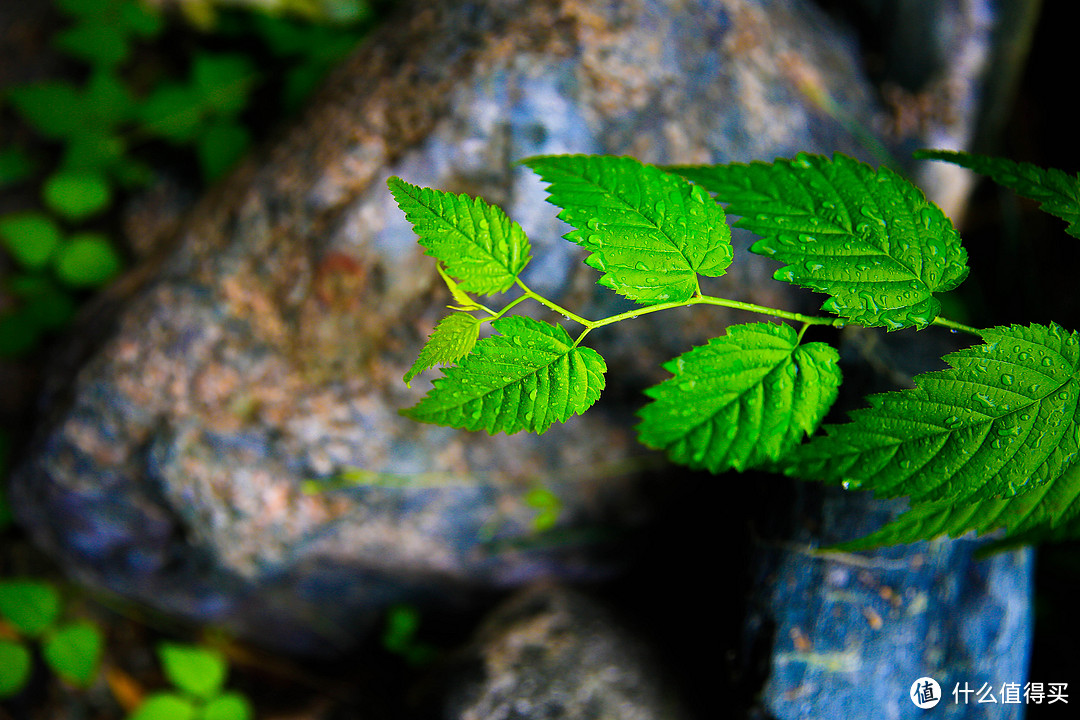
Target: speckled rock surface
x,y
268,348
853,631
553,654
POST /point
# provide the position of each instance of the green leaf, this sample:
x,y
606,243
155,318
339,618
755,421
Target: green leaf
x,y
1047,512
547,504
93,152
651,233
1001,421
452,339
32,607
870,239
223,81
165,706
1057,192
460,297
173,112
14,668
30,237
525,379
229,706
742,400
102,44
73,651
77,195
53,108
220,147
108,99
195,670
478,244
140,18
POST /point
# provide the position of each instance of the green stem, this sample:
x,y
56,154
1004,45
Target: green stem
x,y
955,326
807,320
548,304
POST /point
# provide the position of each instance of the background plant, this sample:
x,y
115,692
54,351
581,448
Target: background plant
x,y
990,443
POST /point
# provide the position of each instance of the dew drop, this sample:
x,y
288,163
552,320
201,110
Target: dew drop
x,y
1047,362
592,224
660,207
1023,357
1007,379
807,238
641,266
952,421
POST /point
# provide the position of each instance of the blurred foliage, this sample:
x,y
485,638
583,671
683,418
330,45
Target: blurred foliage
x,y
151,89
198,676
30,616
144,90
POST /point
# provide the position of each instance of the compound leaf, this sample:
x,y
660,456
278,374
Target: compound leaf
x,y
651,233
869,239
452,339
1057,192
525,379
1001,421
742,400
476,241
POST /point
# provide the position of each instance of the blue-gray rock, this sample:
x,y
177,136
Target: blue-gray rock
x,y
268,348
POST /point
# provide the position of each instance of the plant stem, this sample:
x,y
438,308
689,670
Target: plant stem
x,y
955,326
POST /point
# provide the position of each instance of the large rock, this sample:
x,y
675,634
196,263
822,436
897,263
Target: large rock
x,y
268,348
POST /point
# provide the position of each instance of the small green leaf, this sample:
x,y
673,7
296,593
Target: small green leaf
x,y
53,108
223,81
140,18
73,651
108,99
30,237
77,195
173,112
93,152
651,233
452,339
220,147
1057,192
87,260
14,668
464,302
477,242
165,706
742,400
198,671
547,505
228,706
32,607
1001,421
525,379
868,238
99,43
